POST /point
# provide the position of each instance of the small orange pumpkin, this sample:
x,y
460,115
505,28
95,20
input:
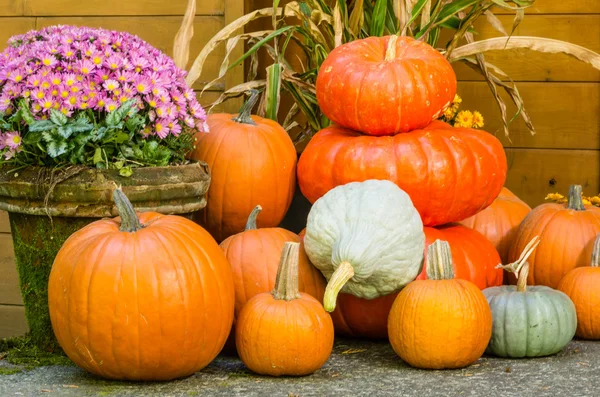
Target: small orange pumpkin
x,y
567,233
581,285
141,299
499,222
284,332
441,322
252,160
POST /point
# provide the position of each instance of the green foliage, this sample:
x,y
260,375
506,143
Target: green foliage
x,y
319,26
114,140
21,351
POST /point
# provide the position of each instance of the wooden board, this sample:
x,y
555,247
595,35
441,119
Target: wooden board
x,y
526,65
118,7
160,32
4,224
14,26
566,115
11,7
9,281
12,321
560,7
206,99
533,173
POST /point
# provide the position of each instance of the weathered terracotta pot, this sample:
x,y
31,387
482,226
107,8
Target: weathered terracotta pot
x,y
43,216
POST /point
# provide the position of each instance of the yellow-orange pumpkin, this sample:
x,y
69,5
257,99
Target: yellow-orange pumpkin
x,y
252,161
582,286
284,332
141,299
440,322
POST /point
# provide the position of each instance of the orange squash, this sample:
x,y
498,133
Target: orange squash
x,y
499,222
581,285
567,233
252,160
284,332
441,322
148,298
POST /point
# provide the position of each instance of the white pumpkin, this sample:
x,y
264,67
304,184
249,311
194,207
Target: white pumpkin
x,y
366,238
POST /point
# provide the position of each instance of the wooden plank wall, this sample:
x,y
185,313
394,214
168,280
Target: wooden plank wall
x,y
155,21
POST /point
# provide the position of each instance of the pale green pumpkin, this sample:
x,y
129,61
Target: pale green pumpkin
x,y
366,238
530,321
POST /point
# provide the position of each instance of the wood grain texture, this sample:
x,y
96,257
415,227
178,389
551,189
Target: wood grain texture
x,y
9,281
158,31
566,115
4,223
14,26
118,7
560,7
533,173
12,321
11,7
526,65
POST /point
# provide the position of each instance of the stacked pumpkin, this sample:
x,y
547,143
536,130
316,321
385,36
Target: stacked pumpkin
x,y
385,96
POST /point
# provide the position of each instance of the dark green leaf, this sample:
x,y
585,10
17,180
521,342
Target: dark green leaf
x,y
259,44
56,148
32,138
41,125
58,117
65,131
378,18
26,112
121,137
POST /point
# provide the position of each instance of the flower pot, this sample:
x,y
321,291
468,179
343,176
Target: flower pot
x,y
45,207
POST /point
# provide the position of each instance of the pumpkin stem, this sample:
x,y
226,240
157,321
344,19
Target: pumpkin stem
x,y
439,261
575,201
251,223
243,116
390,51
286,283
518,267
596,253
522,280
129,219
339,278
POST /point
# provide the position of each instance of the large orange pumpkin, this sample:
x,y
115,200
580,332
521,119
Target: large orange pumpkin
x,y
449,173
474,258
252,161
581,285
499,222
284,332
385,85
567,233
141,299
441,322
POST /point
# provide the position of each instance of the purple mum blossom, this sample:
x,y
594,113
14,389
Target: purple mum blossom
x,y
72,68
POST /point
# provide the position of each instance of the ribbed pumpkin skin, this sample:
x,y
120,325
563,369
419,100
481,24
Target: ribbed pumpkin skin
x,y
474,257
535,323
582,286
499,222
437,166
278,337
358,89
156,304
567,237
362,318
439,324
254,258
249,165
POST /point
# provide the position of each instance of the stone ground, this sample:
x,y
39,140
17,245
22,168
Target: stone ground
x,y
356,368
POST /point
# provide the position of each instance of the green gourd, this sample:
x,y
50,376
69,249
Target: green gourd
x,y
532,321
366,238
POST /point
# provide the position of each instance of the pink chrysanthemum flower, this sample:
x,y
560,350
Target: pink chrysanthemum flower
x,y
72,69
12,139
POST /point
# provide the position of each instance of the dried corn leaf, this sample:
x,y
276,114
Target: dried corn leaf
x,y
495,22
338,26
237,91
357,18
181,45
540,44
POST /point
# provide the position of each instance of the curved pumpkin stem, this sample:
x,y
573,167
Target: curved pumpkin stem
x,y
286,283
339,278
575,201
245,112
129,219
439,261
596,253
251,223
390,51
522,280
521,264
